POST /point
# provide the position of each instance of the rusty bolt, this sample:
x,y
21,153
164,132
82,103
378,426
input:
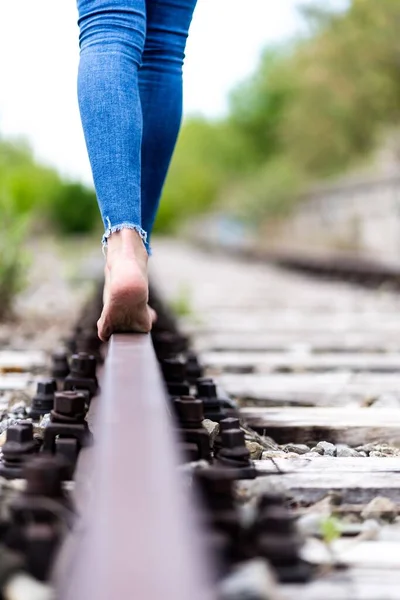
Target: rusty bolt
x,y
193,368
19,442
189,410
20,433
174,369
225,425
69,403
166,344
229,423
43,400
83,365
213,406
277,519
44,475
234,453
233,438
215,482
206,388
60,366
45,391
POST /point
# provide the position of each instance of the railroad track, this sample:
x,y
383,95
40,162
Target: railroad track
x,y
314,365
297,500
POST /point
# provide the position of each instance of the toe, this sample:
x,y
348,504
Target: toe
x,y
103,331
153,315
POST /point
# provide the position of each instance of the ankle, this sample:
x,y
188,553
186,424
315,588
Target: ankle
x,y
128,244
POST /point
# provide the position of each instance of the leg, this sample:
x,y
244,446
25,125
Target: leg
x,y
112,35
160,84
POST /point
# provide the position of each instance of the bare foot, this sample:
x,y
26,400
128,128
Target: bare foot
x,y
126,289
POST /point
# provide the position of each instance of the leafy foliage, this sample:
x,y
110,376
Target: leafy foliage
x,y
207,157
13,261
33,195
74,208
30,188
330,530
314,108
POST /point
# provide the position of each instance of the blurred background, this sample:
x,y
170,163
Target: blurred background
x,y
290,135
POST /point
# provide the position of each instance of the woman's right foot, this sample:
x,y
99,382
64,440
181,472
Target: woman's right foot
x,y
126,289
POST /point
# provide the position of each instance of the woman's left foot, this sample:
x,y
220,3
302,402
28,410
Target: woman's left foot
x,y
126,290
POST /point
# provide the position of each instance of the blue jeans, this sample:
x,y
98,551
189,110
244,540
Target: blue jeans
x,y
130,100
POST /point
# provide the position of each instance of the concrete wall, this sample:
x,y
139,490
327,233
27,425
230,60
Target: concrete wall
x,y
361,216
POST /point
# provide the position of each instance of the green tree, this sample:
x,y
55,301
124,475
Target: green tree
x,y
314,108
28,187
73,208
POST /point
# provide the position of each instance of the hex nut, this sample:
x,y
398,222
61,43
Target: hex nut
x,y
69,403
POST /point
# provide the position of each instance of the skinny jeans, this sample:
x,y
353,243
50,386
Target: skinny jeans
x,y
130,101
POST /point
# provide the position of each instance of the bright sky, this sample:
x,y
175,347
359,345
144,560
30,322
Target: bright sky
x,y
39,56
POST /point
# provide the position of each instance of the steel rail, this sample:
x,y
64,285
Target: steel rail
x,y
137,536
345,266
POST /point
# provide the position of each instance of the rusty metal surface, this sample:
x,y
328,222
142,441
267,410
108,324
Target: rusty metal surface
x,y
137,537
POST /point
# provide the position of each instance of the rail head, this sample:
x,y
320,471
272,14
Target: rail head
x,y
138,535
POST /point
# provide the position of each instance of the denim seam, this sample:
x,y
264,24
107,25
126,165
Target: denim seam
x,y
125,225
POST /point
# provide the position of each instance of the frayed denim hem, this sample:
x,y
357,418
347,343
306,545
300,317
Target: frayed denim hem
x,y
112,229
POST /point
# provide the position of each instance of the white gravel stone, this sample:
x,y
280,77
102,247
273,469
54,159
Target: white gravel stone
x,y
297,448
273,454
380,507
45,421
252,579
317,450
328,449
255,449
7,422
372,528
212,429
387,450
365,448
347,453
310,524
379,450
18,407
22,586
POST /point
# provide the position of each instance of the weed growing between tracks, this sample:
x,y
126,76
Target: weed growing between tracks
x,y
181,305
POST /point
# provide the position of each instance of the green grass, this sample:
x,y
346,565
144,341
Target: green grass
x,y
181,305
13,262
